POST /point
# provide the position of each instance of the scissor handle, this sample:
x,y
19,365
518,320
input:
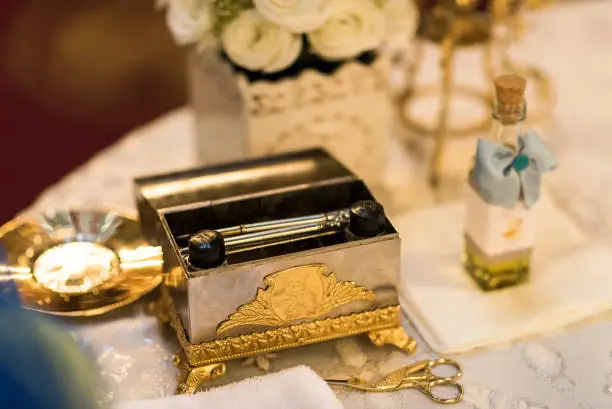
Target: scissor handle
x,y
428,390
434,363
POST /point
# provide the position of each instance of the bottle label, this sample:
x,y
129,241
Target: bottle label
x,y
496,230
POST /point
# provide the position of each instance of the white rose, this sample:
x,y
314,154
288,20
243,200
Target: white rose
x,y
257,44
354,26
299,16
190,21
401,18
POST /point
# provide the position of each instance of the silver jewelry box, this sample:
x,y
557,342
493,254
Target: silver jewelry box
x,y
277,297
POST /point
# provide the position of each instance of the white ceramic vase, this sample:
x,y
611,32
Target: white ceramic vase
x,y
347,112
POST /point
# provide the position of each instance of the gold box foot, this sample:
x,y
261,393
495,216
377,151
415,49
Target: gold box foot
x,y
395,336
191,378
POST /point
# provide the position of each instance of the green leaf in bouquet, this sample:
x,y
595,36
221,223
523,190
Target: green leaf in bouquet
x,y
227,10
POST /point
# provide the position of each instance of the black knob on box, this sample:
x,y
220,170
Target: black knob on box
x,y
206,249
367,218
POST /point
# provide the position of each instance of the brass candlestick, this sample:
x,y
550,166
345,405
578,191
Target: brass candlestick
x,y
454,24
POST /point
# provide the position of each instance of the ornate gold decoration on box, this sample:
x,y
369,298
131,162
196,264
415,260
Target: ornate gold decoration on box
x,y
242,346
296,293
393,336
320,292
193,377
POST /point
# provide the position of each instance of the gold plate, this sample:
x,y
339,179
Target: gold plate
x,y
79,263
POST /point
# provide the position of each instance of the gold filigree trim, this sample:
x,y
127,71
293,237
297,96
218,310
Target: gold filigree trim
x,y
297,293
280,338
393,336
192,378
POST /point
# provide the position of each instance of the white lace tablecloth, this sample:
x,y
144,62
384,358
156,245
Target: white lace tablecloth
x,y
570,369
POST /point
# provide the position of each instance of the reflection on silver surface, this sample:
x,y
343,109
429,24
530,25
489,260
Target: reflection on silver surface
x,y
181,191
206,182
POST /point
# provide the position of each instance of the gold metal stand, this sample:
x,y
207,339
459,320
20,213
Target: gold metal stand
x,y
395,336
453,24
201,363
192,377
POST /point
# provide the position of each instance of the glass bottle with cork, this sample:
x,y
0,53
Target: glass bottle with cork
x,y
504,189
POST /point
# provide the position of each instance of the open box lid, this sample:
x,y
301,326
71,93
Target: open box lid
x,y
194,187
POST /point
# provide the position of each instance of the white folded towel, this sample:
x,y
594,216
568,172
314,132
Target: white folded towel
x,y
570,281
295,388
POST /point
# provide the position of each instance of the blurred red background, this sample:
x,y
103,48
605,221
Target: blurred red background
x,y
75,76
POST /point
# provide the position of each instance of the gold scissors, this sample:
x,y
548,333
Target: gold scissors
x,y
418,376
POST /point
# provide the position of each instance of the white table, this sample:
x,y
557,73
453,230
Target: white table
x,y
570,369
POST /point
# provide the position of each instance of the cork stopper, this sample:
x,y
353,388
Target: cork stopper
x,y
510,89
510,98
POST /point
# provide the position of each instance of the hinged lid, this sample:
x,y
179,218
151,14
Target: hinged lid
x,y
252,177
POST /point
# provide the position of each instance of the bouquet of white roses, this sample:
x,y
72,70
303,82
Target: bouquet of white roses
x,y
269,35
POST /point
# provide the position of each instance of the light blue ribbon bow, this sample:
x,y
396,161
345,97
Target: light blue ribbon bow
x,y
501,175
